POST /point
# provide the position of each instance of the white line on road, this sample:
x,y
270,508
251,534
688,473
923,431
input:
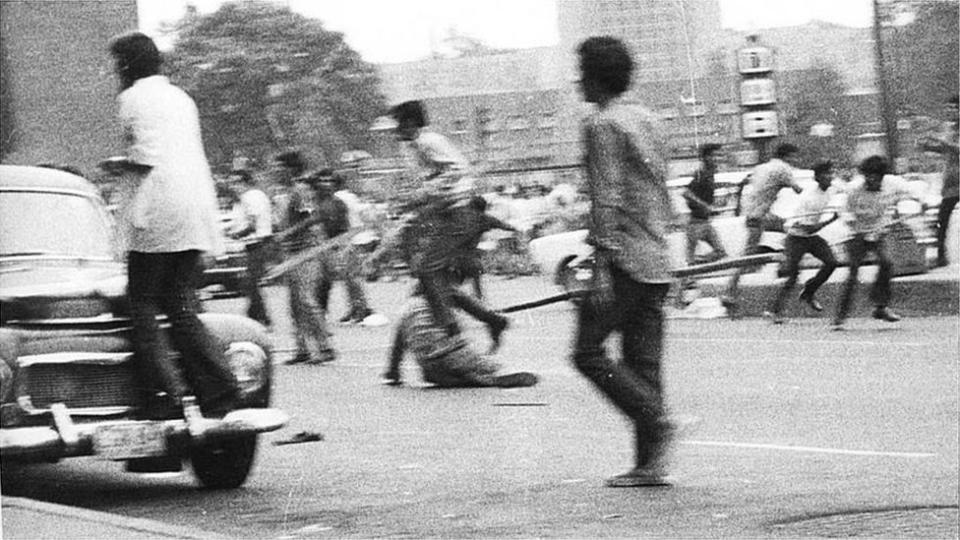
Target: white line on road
x,y
813,449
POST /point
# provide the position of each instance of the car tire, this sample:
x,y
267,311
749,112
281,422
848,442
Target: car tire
x,y
226,464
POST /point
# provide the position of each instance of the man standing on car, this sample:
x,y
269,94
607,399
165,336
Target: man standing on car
x,y
766,182
169,222
802,238
254,226
630,212
700,199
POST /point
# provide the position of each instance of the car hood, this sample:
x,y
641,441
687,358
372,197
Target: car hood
x,y
41,289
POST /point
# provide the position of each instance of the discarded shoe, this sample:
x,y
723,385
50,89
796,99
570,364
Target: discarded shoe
x,y
301,437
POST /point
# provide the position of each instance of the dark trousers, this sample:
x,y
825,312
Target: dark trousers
x,y
257,256
633,384
943,224
442,295
166,283
795,247
857,249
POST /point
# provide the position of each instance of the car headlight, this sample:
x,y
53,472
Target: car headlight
x,y
249,363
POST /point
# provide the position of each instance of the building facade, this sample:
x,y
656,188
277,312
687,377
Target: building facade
x,y
57,83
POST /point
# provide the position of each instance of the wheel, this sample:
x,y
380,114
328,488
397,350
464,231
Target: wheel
x,y
226,464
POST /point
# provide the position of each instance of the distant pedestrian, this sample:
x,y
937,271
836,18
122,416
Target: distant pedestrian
x,y
467,263
253,225
169,221
950,190
630,213
802,238
766,182
348,263
868,201
307,280
699,195
433,236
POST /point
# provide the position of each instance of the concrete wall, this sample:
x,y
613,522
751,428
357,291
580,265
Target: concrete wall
x,y
58,84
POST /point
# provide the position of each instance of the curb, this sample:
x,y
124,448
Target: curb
x,y
933,294
27,518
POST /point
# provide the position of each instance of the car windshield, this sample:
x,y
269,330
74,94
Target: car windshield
x,y
53,223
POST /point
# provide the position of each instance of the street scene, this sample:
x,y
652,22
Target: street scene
x,y
529,269
795,432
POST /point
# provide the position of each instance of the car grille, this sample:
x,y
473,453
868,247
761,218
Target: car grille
x,y
79,385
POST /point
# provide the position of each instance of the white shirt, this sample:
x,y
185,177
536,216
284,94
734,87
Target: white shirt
x,y
811,205
254,209
354,207
174,207
870,210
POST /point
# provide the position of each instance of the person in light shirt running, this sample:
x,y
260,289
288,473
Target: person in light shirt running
x,y
868,202
802,238
766,182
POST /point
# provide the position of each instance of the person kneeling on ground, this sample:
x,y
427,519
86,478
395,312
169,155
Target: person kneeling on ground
x,y
445,361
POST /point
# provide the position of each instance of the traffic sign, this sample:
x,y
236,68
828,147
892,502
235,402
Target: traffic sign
x,y
758,92
755,60
760,124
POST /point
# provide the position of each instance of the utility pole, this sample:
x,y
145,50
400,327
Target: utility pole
x,y
887,114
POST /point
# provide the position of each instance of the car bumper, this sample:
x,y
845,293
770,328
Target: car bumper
x,y
67,439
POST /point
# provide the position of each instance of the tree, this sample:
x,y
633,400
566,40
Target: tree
x,y
813,100
921,46
267,79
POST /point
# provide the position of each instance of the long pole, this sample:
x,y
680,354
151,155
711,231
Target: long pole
x,y
886,107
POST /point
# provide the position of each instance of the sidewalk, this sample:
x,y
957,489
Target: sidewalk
x,y
26,518
934,293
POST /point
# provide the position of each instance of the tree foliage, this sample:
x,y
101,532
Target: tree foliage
x,y
922,57
267,79
815,96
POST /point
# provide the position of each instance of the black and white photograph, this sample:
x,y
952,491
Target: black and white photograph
x,y
325,269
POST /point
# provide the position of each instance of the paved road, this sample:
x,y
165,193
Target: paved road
x,y
803,432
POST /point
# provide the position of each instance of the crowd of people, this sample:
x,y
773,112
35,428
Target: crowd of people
x,y
169,221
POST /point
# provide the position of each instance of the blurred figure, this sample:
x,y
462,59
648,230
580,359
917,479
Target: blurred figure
x,y
766,182
253,225
869,197
950,191
626,177
349,263
306,281
445,361
699,196
468,264
802,238
433,235
169,221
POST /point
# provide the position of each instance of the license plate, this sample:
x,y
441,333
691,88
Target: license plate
x,y
127,440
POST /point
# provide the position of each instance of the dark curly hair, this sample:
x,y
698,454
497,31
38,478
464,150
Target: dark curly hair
x,y
606,61
137,57
874,165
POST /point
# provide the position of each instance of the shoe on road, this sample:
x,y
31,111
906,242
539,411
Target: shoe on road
x,y
883,313
639,478
810,301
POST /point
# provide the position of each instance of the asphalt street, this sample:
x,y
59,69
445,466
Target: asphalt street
x,y
798,431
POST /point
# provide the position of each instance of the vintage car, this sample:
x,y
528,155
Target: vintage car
x,y
66,375
566,257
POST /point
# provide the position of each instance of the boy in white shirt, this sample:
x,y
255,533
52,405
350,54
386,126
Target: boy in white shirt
x,y
254,226
868,202
802,238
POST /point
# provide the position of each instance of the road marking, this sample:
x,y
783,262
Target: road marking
x,y
813,449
